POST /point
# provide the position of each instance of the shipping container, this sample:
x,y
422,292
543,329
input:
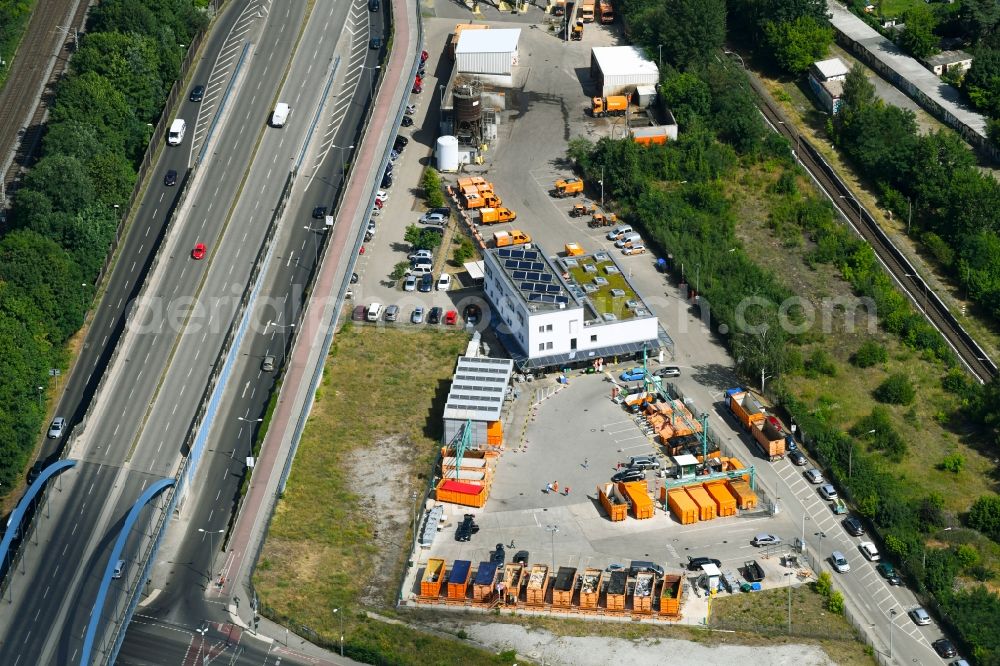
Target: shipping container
x,y
538,582
725,503
433,579
613,502
562,588
590,588
494,433
457,492
638,496
487,52
458,579
770,440
606,11
642,593
745,498
744,406
616,590
484,586
706,505
474,182
587,11
670,595
513,577
682,506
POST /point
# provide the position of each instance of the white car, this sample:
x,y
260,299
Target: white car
x,y
765,539
433,218
410,284
618,232
839,562
421,254
813,475
444,282
869,550
382,195
411,109
920,616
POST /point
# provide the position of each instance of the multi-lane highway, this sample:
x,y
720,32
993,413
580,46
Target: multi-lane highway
x,y
137,422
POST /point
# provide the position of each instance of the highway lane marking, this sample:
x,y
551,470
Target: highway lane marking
x,y
146,235
118,425
46,592
91,489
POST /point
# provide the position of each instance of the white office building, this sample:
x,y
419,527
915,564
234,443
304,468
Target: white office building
x,y
566,312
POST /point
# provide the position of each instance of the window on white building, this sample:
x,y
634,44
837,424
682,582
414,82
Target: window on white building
x,y
548,345
541,329
541,346
548,328
593,338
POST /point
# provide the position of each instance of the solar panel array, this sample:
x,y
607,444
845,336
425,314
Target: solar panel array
x,y
529,274
510,253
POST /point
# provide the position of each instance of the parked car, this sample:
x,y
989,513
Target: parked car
x,y
466,528
426,282
618,232
392,313
319,212
400,143
450,318
434,316
410,283
633,249
797,458
267,364
444,282
471,314
869,550
888,572
444,210
919,616
170,179
417,317
614,566
57,427
644,462
669,371
375,43
386,181
521,557
828,492
499,555
198,253
944,648
418,254
197,93
354,278
433,218
813,475
696,563
641,566
854,526
629,474
633,375
359,313
407,121
411,109
839,562
765,539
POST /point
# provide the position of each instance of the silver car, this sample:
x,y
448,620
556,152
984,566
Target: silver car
x,y
920,616
392,313
57,428
418,315
828,492
813,475
839,562
765,540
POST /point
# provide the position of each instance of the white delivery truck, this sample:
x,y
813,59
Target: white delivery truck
x,y
176,132
280,114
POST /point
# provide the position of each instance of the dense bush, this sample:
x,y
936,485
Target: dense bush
x,y
984,515
870,353
64,216
897,389
430,183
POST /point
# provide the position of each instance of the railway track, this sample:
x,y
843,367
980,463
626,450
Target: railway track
x,y
50,33
897,265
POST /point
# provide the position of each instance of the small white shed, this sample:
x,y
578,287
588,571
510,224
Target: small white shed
x,y
487,51
619,70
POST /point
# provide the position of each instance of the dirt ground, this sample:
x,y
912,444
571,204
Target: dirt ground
x,y
545,648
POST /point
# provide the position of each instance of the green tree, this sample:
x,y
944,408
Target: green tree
x,y
835,604
760,350
930,510
130,62
984,515
918,34
691,31
431,184
399,270
688,97
897,389
113,178
982,81
464,251
869,354
63,180
797,44
749,18
422,238
979,18
91,98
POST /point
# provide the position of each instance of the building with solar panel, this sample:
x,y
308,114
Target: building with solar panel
x,y
563,312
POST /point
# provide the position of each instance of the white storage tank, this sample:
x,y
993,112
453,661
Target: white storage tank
x,y
447,154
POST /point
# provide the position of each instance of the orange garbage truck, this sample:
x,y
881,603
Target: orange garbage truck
x,y
614,105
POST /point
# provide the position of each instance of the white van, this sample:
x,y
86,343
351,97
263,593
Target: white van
x,y
280,114
627,239
374,312
618,232
176,132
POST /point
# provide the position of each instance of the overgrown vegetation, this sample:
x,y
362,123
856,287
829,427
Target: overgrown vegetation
x,y
430,183
14,17
66,213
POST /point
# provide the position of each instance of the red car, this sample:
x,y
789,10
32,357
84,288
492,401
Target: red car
x,y
450,318
198,252
423,56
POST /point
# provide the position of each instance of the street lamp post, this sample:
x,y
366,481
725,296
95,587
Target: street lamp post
x,y
659,55
734,53
552,529
892,621
337,611
211,544
282,327
371,90
789,577
343,166
601,181
40,390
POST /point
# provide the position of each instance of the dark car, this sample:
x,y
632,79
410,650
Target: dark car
x,y
359,313
35,471
407,121
373,5
197,93
375,43
386,181
467,528
888,572
696,563
499,555
426,283
640,566
170,179
630,474
944,648
434,316
797,458
521,557
400,143
319,212
472,313
853,526
354,278
446,212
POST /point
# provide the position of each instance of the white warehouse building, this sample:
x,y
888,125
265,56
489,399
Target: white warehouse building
x,y
491,54
566,312
619,70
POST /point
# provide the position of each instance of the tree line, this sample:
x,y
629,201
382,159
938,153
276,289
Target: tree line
x,y
65,213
